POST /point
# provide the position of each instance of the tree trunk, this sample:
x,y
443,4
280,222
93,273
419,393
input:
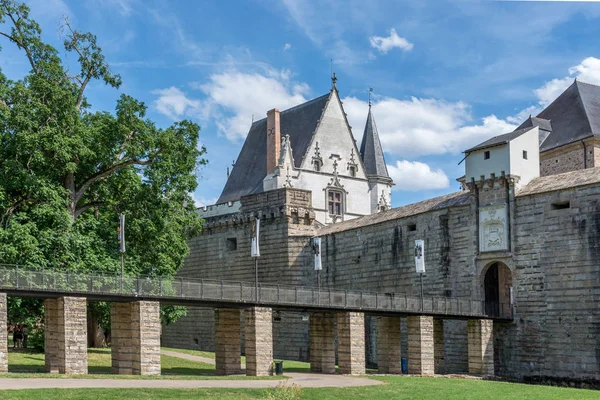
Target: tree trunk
x,y
96,336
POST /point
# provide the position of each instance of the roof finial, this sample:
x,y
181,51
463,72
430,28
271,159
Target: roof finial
x,y
370,93
333,81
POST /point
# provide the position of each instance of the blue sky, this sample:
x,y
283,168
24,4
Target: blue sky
x,y
446,75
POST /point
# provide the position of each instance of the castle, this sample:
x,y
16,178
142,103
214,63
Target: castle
x,y
523,234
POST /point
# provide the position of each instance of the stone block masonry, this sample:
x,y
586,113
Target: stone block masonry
x,y
259,341
481,346
135,335
3,335
420,345
388,345
228,349
438,345
351,343
322,343
65,338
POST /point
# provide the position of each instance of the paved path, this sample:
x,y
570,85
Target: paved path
x,y
188,357
301,379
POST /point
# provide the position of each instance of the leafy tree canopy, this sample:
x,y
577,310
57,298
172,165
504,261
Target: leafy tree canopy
x,y
66,172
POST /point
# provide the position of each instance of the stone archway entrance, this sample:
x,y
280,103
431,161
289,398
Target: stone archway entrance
x,y
497,284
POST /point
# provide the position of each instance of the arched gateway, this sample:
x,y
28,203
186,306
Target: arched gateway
x,y
497,284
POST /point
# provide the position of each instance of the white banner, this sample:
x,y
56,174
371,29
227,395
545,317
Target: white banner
x,y
317,251
255,251
420,256
122,233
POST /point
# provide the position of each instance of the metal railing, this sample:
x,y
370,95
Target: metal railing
x,y
204,290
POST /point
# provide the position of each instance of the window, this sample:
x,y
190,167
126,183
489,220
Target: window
x,y
411,227
317,165
335,202
231,244
524,154
353,171
561,206
486,155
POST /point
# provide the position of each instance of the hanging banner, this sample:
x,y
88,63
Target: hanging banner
x,y
317,250
420,256
255,251
122,233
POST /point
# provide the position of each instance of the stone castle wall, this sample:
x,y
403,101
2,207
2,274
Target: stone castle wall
x,y
552,259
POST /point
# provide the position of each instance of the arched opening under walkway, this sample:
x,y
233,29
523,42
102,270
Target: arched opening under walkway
x,y
497,285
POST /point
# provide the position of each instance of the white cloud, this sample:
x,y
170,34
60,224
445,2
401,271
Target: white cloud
x,y
418,127
413,176
385,44
287,46
236,97
587,71
200,201
173,103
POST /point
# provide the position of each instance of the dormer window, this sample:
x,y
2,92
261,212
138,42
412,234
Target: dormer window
x,y
335,202
317,164
486,155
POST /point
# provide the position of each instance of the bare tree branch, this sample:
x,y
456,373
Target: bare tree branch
x,y
20,42
87,206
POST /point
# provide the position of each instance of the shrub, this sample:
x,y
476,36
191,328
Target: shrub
x,y
285,391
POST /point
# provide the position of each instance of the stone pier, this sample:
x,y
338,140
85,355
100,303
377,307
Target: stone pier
x,y
3,334
259,341
65,338
388,345
438,345
351,343
228,349
135,338
322,343
420,345
481,346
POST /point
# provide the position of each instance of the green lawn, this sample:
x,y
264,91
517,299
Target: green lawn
x,y
29,363
409,388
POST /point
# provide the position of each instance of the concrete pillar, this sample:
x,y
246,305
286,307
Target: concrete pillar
x,y
259,341
389,359
438,345
228,351
351,343
3,334
420,345
65,338
322,343
135,338
481,346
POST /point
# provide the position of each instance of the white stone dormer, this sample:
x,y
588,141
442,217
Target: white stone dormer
x,y
513,154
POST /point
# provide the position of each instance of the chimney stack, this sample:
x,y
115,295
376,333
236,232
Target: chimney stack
x,y
273,139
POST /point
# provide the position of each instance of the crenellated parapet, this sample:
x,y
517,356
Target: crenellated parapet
x,y
292,206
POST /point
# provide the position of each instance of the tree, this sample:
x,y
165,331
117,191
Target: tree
x,y
66,172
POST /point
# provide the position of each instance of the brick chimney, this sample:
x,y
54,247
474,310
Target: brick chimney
x,y
273,139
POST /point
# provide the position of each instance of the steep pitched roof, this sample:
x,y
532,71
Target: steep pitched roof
x,y
543,124
371,151
575,115
250,168
499,140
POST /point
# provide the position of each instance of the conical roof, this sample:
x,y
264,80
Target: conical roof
x,y
371,151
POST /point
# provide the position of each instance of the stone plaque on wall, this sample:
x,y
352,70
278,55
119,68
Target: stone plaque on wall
x,y
493,228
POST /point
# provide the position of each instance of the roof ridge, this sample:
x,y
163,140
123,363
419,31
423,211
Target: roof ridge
x,y
587,83
295,107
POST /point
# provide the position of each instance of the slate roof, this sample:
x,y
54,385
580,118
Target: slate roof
x,y
250,168
543,184
499,140
456,199
371,151
575,115
543,124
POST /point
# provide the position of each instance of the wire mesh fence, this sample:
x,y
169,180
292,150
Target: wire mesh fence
x,y
19,279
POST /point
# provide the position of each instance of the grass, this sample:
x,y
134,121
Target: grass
x,y
412,388
30,364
